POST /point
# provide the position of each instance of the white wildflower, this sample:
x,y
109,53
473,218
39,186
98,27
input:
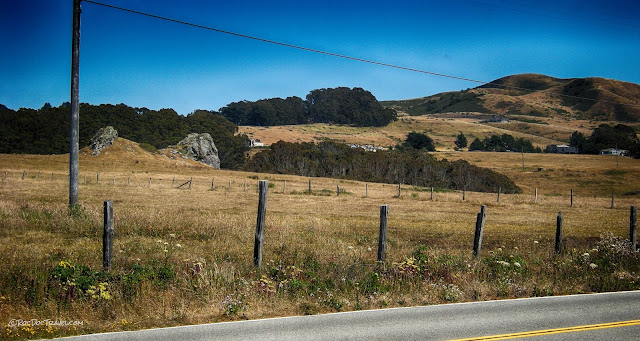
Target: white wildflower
x,y
593,265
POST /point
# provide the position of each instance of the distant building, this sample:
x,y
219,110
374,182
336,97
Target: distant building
x,y
255,143
367,147
614,151
498,119
562,149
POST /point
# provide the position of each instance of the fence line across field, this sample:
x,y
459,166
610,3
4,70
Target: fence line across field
x,y
162,182
263,187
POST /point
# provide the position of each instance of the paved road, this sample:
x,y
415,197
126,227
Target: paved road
x,y
438,322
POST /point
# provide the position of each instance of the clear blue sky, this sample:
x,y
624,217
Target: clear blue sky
x,y
145,62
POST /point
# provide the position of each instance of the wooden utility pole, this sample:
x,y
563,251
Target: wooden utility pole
x,y
74,126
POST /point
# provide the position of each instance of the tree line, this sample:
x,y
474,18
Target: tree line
x,y
409,166
605,136
46,130
340,105
501,143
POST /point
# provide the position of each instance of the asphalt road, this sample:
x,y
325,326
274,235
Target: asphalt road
x,y
593,314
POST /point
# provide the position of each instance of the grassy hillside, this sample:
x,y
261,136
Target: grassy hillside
x,y
443,128
536,95
320,249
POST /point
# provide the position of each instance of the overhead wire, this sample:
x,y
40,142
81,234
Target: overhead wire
x,y
344,56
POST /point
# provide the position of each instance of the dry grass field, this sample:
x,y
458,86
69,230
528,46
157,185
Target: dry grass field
x,y
185,256
443,128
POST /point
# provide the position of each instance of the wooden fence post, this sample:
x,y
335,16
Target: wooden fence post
x,y
5,175
107,236
382,237
399,190
97,178
571,197
464,190
173,182
212,187
431,192
558,247
499,190
477,237
38,178
535,197
128,180
612,195
23,174
51,177
338,190
245,185
149,182
263,186
190,181
284,187
633,226
309,186
229,188
114,180
366,190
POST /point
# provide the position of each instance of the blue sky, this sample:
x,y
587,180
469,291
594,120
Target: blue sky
x,y
146,62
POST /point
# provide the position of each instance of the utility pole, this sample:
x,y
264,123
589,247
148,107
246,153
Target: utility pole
x,y
75,106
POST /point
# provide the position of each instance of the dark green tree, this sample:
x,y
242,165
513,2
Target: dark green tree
x,y
461,141
579,141
417,140
477,144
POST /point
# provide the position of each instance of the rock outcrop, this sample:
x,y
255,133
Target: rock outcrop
x,y
102,139
199,147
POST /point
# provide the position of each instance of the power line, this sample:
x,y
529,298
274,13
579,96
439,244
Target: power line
x,y
341,55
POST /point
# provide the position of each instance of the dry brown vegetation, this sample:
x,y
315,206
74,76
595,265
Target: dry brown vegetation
x,y
320,249
443,128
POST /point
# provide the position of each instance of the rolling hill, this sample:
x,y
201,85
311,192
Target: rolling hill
x,y
536,95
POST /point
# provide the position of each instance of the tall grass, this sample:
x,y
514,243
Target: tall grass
x,y
185,257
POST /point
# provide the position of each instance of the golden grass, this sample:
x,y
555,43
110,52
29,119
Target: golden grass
x,y
553,174
443,128
339,233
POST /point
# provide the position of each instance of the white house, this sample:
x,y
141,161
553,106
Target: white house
x,y
255,143
614,151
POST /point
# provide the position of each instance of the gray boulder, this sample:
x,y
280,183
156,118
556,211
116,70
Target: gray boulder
x,y
199,147
102,139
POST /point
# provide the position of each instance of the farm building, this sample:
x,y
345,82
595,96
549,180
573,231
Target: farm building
x,y
255,143
562,149
614,151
